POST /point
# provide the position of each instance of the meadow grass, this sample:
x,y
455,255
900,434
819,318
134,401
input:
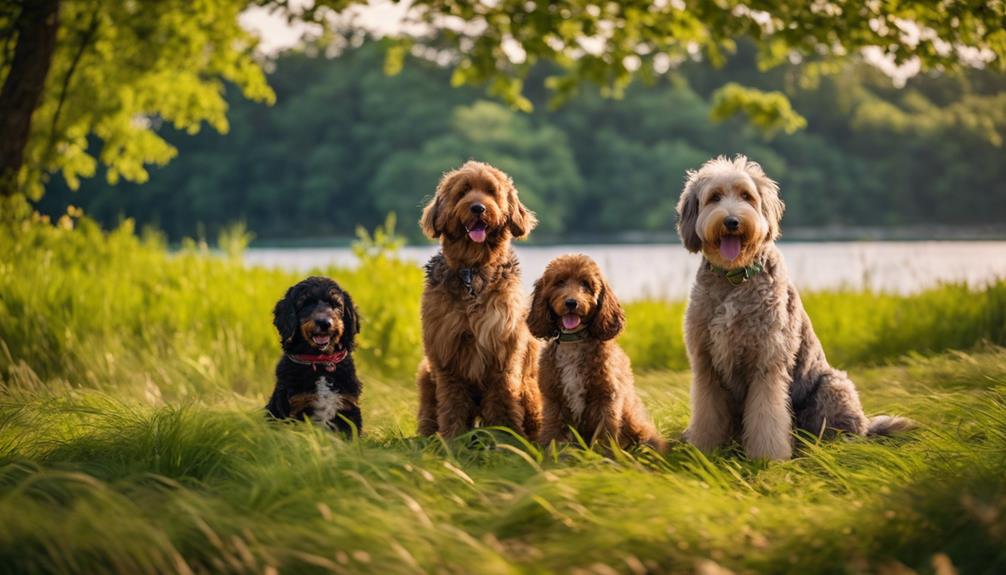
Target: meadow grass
x,y
132,438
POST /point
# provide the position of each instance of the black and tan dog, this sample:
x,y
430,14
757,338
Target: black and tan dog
x,y
317,324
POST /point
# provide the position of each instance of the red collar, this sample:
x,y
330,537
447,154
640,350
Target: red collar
x,y
328,361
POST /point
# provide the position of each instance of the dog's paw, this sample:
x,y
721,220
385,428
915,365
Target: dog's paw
x,y
775,451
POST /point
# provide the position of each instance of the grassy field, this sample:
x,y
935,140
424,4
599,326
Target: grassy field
x,y
132,438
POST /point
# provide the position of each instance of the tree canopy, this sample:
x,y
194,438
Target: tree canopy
x,y
111,73
344,144
121,70
609,43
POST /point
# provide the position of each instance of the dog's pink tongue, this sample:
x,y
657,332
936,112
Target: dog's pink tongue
x,y
477,235
570,321
730,247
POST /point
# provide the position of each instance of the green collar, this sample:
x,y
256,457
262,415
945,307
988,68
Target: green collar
x,y
567,336
737,276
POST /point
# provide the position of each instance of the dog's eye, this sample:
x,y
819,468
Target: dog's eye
x,y
715,197
585,285
746,196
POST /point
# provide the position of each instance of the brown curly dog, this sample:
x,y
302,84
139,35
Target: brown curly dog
x,y
758,369
585,377
481,362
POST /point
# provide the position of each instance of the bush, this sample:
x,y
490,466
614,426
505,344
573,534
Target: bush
x,y
112,309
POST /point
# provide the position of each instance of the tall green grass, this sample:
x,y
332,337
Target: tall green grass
x,y
90,482
132,438
94,307
854,327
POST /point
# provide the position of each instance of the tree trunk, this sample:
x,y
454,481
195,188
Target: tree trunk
x,y
36,28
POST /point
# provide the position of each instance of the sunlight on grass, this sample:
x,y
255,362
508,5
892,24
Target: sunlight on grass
x,y
132,438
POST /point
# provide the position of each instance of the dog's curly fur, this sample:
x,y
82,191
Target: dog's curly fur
x,y
481,361
587,383
758,368
316,317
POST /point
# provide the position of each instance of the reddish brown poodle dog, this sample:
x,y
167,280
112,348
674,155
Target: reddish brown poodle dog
x,y
584,376
481,362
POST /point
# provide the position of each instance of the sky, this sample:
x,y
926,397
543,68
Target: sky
x,y
379,16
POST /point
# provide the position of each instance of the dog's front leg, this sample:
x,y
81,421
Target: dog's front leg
x,y
556,421
502,405
347,420
710,424
427,387
602,422
555,414
767,418
455,407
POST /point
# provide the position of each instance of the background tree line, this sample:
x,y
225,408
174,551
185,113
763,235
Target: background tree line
x,y
345,143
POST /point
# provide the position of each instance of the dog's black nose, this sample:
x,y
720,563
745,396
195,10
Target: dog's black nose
x,y
732,223
571,304
323,323
477,209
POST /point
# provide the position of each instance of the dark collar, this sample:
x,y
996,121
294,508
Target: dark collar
x,y
737,276
467,275
439,272
571,336
328,361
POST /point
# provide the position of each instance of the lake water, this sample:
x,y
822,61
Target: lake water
x,y
666,270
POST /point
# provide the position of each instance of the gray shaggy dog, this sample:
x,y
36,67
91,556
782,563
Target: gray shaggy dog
x,y
758,369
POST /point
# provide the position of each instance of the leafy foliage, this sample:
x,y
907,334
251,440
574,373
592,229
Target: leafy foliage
x,y
117,307
345,144
498,42
121,70
770,110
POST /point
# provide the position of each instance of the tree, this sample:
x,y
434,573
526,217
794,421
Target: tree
x,y
538,158
87,72
35,26
345,144
499,41
119,69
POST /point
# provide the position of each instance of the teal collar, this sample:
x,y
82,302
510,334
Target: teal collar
x,y
737,276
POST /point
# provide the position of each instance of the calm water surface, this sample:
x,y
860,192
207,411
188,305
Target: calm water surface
x,y
666,271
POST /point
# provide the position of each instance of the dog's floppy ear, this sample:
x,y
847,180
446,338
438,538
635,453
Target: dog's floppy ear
x,y
284,317
351,322
772,206
609,319
432,220
520,219
539,317
428,221
688,213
